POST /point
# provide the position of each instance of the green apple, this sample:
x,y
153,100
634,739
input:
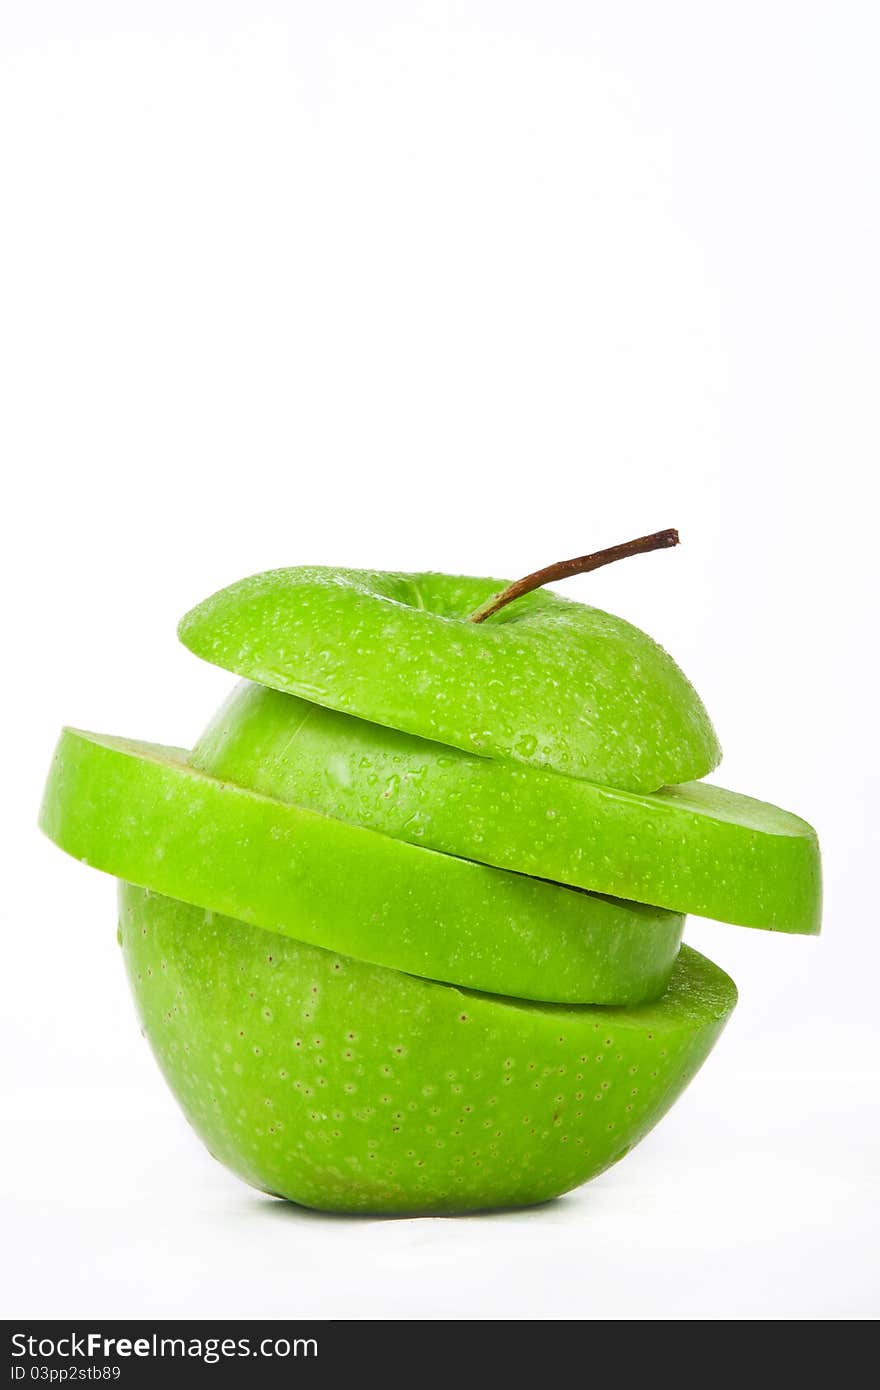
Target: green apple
x,y
356,917
694,848
350,1087
140,812
545,682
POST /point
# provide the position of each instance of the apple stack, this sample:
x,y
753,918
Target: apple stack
x,y
404,928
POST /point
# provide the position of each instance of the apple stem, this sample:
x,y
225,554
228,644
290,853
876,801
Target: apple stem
x,y
564,569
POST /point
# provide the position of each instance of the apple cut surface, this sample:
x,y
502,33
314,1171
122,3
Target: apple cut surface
x,y
693,848
349,1087
141,812
545,682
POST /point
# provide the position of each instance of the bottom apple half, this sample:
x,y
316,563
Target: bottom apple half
x,y
352,1087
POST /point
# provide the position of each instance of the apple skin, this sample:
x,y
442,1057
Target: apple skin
x,y
694,848
349,1087
546,682
141,812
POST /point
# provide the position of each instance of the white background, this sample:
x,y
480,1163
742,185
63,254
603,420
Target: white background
x,y
470,287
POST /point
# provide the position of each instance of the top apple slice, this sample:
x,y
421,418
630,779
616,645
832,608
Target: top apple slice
x,y
546,681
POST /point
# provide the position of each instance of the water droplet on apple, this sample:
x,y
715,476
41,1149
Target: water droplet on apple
x,y
525,745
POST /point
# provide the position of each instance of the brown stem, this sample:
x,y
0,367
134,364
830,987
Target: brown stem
x,y
564,569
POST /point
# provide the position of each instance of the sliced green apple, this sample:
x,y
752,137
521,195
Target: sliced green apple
x,y
140,812
693,848
546,682
349,1087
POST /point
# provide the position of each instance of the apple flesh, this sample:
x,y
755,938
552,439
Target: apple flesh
x,y
349,1087
141,812
693,848
545,682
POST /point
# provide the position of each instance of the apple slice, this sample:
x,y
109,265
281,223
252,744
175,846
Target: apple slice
x,y
693,848
545,682
350,1087
140,812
